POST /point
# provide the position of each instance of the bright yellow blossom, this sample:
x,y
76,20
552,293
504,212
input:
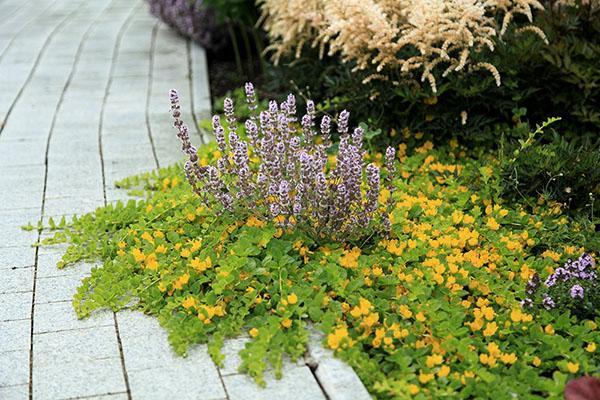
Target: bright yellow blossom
x,y
292,298
591,347
572,367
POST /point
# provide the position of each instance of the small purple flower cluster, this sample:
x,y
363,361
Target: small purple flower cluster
x,y
282,172
192,18
566,287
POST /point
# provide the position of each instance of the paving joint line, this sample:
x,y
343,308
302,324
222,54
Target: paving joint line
x,y
10,43
115,53
74,329
93,396
313,370
53,123
149,91
54,31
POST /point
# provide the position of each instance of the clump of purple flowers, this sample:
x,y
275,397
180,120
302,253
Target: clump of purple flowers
x,y
282,172
574,286
192,18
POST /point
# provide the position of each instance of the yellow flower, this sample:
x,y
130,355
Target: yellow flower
x,y
185,253
488,313
516,315
572,367
492,224
161,249
337,337
393,247
148,237
433,360
590,348
350,258
370,320
182,280
196,244
253,332
549,329
151,262
493,349
457,217
201,265
420,317
255,222
190,217
554,256
413,389
121,245
536,361
490,329
377,271
292,298
286,323
188,302
405,311
444,371
508,358
424,378
138,255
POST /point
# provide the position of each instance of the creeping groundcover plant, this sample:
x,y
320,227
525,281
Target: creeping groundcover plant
x,y
419,276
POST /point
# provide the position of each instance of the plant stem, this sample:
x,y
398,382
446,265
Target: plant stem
x,y
236,49
250,59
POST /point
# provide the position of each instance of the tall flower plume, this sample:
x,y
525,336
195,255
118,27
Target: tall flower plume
x,y
281,172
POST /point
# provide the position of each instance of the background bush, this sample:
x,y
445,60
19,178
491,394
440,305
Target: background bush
x,y
538,81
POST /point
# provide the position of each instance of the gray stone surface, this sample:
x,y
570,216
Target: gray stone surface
x,y
14,368
18,392
17,280
60,316
297,383
84,103
16,335
15,306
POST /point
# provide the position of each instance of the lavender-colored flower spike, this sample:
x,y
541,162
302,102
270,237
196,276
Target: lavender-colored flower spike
x,y
229,114
390,154
291,107
373,182
281,173
252,132
576,291
251,99
548,302
343,120
326,130
219,133
357,137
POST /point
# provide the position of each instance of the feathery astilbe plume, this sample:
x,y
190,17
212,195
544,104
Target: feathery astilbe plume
x,y
385,37
281,173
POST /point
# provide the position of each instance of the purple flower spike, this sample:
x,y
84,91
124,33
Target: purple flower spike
x,y
576,291
548,302
326,130
251,99
343,120
280,172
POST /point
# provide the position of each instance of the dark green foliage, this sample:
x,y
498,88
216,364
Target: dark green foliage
x,y
564,171
538,81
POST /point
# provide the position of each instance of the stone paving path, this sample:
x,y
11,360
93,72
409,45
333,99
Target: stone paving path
x,y
83,103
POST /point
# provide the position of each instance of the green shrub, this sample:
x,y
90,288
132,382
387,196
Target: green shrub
x,y
567,172
538,81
